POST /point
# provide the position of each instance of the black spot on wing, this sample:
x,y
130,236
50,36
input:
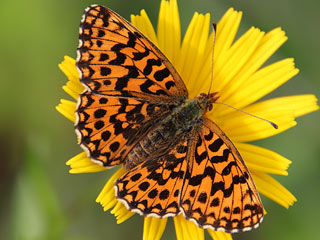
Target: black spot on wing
x,y
105,17
103,100
100,113
144,186
196,180
119,60
150,63
105,71
132,40
217,186
192,193
153,193
161,74
209,136
99,124
201,157
170,84
101,33
140,55
132,72
103,57
164,194
202,197
99,43
105,135
215,202
135,177
121,83
236,210
216,145
114,146
146,85
223,158
227,169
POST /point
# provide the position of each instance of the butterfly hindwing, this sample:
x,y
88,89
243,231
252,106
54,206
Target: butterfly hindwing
x,y
153,187
114,58
218,191
108,127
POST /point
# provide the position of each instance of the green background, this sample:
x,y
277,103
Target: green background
x,y
40,200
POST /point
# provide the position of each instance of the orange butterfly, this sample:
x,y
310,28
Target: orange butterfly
x,y
135,111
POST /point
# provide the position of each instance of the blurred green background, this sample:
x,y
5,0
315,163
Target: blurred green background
x,y
40,200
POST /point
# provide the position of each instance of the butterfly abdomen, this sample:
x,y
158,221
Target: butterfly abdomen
x,y
181,120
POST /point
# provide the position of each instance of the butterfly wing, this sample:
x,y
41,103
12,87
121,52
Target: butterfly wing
x,y
203,176
130,86
153,187
115,58
108,127
218,191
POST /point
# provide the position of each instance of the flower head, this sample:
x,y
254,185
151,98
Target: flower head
x,y
240,77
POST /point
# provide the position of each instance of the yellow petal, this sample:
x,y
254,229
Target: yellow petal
x,y
161,31
217,235
272,189
143,23
184,51
70,91
227,28
260,84
107,196
67,109
68,67
206,73
266,47
232,65
200,58
282,111
82,164
299,104
73,89
187,230
263,160
169,30
153,228
175,29
245,128
121,213
194,46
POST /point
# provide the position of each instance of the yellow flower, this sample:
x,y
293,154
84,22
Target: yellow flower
x,y
239,78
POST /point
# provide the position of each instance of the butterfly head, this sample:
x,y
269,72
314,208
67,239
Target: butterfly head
x,y
205,101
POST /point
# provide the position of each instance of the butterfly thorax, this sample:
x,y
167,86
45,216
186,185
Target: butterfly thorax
x,y
186,116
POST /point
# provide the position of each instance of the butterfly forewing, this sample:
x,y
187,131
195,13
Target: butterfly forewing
x,y
114,58
218,191
109,126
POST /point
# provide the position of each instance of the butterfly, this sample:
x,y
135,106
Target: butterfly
x,y
135,111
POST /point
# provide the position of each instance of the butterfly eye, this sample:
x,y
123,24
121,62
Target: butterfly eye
x,y
210,107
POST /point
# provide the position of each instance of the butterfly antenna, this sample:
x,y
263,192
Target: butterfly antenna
x,y
214,40
271,123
